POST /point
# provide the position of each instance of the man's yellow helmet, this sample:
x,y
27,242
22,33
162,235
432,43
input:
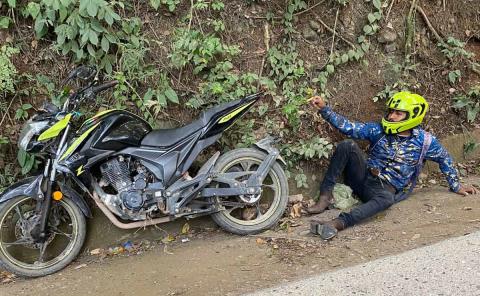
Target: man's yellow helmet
x,y
414,105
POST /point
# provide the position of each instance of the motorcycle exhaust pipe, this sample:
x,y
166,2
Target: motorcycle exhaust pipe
x,y
116,222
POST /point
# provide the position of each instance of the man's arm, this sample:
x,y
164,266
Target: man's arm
x,y
440,155
355,130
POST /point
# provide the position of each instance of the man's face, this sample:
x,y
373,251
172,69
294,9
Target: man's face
x,y
396,115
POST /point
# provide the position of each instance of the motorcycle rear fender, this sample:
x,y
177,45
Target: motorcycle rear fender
x,y
31,187
265,145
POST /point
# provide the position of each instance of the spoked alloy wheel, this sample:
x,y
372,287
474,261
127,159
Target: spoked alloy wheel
x,y
249,214
21,254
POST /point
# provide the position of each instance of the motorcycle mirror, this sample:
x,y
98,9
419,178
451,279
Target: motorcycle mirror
x,y
86,72
50,108
82,72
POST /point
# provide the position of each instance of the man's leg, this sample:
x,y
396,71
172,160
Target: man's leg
x,y
379,196
348,159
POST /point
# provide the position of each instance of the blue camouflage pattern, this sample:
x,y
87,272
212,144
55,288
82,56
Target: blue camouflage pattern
x,y
394,156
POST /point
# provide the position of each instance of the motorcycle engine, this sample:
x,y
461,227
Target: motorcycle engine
x,y
129,179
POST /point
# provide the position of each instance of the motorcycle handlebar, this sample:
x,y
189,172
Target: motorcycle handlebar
x,y
104,86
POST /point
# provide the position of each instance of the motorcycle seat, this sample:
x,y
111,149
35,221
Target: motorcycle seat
x,y
169,137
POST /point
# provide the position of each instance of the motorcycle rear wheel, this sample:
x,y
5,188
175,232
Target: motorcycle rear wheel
x,y
268,210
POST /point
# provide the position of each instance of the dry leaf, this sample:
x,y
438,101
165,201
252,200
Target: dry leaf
x,y
169,238
185,228
260,241
96,251
296,211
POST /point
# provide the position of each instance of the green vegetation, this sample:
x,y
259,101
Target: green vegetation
x,y
194,63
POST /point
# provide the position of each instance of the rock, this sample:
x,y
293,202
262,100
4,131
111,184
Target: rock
x,y
451,20
310,34
390,47
80,266
295,198
432,181
416,236
422,176
451,90
4,36
387,36
315,25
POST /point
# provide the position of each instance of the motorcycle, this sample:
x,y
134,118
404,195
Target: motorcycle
x,y
135,175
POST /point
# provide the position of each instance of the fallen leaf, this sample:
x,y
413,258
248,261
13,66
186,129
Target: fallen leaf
x,y
296,211
185,228
260,241
96,251
169,238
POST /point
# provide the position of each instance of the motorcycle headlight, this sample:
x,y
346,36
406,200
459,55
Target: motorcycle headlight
x,y
30,130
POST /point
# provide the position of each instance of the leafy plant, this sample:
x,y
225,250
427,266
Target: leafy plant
x,y
223,84
8,72
192,47
7,176
88,29
454,48
170,4
470,146
292,7
22,111
354,54
26,161
470,101
3,140
454,76
285,64
5,21
301,179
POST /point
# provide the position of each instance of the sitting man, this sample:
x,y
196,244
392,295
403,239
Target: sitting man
x,y
397,150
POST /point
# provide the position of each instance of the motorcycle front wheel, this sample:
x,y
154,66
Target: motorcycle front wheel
x,y
271,204
21,254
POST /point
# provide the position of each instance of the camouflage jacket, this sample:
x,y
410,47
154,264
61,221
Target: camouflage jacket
x,y
394,156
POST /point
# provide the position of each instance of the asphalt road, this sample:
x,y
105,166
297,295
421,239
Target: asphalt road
x,y
451,267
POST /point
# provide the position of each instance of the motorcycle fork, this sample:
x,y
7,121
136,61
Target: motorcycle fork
x,y
40,230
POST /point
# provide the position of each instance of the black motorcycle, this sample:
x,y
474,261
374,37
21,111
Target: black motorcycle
x,y
135,175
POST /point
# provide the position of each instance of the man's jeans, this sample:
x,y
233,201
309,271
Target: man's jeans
x,y
377,195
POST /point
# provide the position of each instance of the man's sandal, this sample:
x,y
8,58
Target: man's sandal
x,y
326,231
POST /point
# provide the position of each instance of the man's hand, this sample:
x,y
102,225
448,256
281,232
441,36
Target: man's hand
x,y
466,190
317,102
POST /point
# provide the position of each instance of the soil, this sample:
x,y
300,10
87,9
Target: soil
x,y
213,262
